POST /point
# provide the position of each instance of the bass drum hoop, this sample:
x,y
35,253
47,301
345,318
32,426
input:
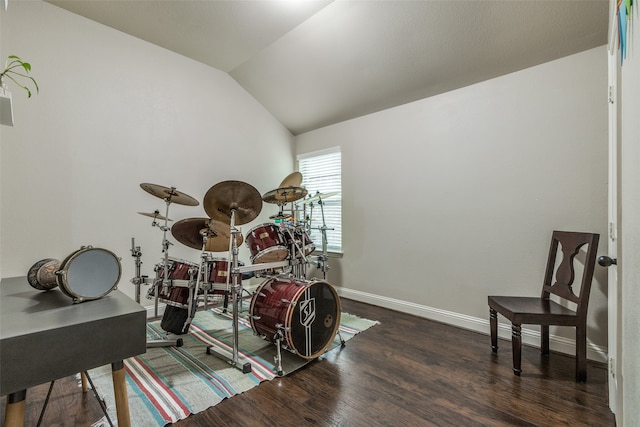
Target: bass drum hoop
x,y
62,274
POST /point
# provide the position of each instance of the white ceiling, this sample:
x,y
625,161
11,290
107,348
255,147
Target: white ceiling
x,y
312,63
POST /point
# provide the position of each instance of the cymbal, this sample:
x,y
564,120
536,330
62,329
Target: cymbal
x,y
190,232
238,196
294,179
319,196
284,195
280,215
169,194
155,215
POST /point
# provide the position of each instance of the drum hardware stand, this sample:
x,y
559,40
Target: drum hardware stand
x,y
278,357
137,254
137,280
236,295
193,292
323,259
100,400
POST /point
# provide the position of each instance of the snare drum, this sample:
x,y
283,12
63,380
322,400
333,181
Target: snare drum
x,y
181,274
177,269
266,244
305,314
87,274
218,270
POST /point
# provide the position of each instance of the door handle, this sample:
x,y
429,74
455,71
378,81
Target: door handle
x,y
605,261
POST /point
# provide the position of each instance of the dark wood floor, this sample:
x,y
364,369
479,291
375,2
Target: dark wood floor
x,y
406,371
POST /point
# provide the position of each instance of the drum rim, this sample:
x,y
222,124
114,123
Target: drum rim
x,y
61,279
269,250
270,224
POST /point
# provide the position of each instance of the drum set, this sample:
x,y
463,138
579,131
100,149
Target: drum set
x,y
296,314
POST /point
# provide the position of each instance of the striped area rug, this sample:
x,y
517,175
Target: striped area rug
x,y
167,384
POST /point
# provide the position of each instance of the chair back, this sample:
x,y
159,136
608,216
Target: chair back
x,y
570,244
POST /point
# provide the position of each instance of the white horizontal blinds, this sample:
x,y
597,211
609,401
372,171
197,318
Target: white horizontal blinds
x,y
322,173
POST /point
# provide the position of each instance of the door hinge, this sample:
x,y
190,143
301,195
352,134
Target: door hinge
x,y
611,97
612,367
612,231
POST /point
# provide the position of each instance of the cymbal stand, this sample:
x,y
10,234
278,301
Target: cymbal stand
x,y
323,260
193,291
236,296
165,250
137,280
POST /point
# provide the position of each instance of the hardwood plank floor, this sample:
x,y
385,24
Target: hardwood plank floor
x,y
406,371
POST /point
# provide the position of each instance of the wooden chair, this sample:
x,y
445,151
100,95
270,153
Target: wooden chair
x,y
542,310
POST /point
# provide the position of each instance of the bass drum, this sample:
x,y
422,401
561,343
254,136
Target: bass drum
x,y
304,314
87,274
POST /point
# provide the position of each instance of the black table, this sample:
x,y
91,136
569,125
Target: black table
x,y
45,336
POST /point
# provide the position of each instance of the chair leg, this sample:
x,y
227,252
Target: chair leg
x,y
493,323
516,343
581,354
544,339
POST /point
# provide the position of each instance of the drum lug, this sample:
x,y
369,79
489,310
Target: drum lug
x,y
286,301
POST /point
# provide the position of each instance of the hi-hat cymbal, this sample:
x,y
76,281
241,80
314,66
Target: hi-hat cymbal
x,y
280,215
294,179
284,195
191,231
319,196
169,194
155,215
237,196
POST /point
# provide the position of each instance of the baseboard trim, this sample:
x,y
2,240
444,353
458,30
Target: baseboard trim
x,y
529,336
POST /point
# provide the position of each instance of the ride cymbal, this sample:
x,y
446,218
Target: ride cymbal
x,y
284,195
237,196
155,215
294,179
169,194
319,196
191,231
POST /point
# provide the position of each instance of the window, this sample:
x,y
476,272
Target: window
x,y
322,174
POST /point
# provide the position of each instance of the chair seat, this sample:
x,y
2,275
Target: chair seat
x,y
534,310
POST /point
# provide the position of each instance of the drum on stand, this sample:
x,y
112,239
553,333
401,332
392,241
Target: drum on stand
x,y
299,238
266,244
181,275
86,274
304,314
217,270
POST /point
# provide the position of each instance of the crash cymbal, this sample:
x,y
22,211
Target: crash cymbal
x,y
155,215
284,195
238,196
319,196
169,194
294,179
190,232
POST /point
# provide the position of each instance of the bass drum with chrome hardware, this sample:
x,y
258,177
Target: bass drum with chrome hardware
x,y
304,315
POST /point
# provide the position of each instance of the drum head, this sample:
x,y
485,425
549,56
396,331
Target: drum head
x,y
89,273
315,320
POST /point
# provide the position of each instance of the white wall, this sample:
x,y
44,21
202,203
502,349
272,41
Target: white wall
x,y
113,112
453,198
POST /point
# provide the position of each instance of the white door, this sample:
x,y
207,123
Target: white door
x,y
614,292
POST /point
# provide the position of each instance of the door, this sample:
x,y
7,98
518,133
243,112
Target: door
x,y
614,321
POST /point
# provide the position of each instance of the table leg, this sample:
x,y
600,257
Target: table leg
x,y
16,403
120,392
83,378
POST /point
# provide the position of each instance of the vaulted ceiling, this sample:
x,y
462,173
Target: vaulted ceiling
x,y
312,63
